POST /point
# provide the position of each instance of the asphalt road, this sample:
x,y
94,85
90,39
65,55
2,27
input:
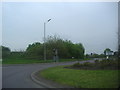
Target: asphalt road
x,y
18,75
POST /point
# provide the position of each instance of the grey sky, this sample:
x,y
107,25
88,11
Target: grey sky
x,y
95,25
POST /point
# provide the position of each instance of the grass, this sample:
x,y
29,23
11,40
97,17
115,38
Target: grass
x,y
21,61
82,78
26,61
0,61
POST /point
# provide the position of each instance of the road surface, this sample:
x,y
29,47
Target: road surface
x,y
18,75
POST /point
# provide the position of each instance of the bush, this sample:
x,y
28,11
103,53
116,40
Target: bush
x,y
82,65
103,64
96,61
77,65
88,64
104,61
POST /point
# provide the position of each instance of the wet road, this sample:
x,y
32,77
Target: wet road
x,y
18,75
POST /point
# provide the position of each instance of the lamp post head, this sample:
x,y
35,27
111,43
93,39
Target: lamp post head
x,y
49,20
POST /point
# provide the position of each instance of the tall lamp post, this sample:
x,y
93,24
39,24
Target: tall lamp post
x,y
45,38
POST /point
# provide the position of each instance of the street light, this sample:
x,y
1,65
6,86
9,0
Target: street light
x,y
45,38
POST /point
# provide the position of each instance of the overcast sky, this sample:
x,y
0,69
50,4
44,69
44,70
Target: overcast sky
x,y
95,25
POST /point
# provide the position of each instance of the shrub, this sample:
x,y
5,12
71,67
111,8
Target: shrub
x,y
77,65
82,65
88,64
104,62
96,61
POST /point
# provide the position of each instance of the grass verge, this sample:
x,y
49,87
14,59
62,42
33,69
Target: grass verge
x,y
26,61
82,78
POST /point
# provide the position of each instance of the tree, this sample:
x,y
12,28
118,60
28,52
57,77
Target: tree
x,y
55,42
107,51
34,51
66,49
5,51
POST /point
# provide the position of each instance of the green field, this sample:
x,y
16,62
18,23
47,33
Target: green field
x,y
82,78
26,61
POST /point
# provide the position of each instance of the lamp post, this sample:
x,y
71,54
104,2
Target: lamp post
x,y
45,38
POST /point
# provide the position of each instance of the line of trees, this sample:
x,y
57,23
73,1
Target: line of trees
x,y
66,49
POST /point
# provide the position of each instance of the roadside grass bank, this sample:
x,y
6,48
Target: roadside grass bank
x,y
82,78
0,61
26,61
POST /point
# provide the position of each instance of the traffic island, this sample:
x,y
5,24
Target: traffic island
x,y
37,78
80,78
